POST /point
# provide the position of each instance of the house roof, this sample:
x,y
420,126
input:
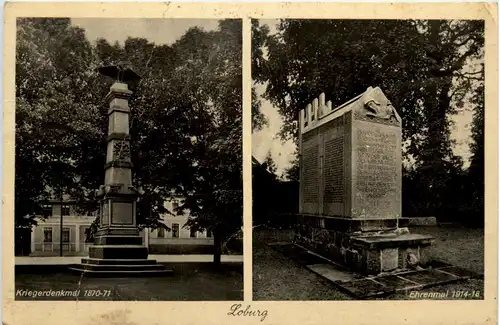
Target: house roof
x,y
255,161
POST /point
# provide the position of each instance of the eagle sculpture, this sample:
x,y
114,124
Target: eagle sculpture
x,y
119,72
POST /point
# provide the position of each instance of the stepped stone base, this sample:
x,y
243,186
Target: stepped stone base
x,y
118,251
118,240
119,260
120,268
365,252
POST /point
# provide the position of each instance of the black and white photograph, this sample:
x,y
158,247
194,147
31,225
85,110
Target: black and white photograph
x,y
128,159
368,159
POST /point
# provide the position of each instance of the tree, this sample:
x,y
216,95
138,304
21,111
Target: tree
x,y
420,65
52,60
296,72
269,164
186,128
264,185
260,35
451,47
292,173
476,169
215,196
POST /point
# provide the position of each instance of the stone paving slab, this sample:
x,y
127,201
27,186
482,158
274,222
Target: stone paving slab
x,y
332,272
402,281
363,287
396,281
426,277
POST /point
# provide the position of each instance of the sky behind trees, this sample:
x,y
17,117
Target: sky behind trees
x,y
159,31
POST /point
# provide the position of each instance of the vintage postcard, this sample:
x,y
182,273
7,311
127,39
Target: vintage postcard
x,y
239,163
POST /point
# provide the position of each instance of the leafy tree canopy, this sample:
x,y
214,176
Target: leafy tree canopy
x,y
414,62
185,120
429,69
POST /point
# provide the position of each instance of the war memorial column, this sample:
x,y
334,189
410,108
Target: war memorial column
x,y
118,246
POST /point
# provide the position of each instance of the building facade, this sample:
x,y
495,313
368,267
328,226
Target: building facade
x,y
179,239
46,235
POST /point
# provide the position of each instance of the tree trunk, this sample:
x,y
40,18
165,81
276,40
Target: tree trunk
x,y
217,247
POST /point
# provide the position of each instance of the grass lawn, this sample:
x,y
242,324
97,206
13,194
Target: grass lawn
x,y
189,282
276,277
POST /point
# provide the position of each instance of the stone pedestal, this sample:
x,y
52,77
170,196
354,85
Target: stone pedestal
x,y
350,184
118,248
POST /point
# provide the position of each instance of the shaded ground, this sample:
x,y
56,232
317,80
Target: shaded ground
x,y
276,277
462,247
189,282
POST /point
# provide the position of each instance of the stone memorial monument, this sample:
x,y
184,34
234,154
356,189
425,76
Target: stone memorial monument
x,y
350,186
118,248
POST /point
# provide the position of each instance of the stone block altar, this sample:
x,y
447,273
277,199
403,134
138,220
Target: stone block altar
x,y
350,186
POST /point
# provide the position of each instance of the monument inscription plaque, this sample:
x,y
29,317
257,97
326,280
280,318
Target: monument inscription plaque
x,y
377,165
123,213
105,213
334,171
311,170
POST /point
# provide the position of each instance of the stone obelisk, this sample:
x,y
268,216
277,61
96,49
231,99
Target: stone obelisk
x,y
118,247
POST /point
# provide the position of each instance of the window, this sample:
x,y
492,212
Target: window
x,y
161,232
47,210
65,210
175,206
175,230
47,235
65,235
193,233
209,233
